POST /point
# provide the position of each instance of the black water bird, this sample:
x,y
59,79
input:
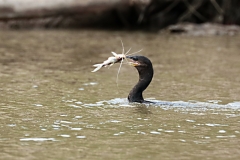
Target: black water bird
x,y
145,71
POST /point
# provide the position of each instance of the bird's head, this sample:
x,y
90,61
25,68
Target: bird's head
x,y
139,61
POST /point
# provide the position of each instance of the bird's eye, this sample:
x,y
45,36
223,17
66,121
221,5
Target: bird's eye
x,y
135,58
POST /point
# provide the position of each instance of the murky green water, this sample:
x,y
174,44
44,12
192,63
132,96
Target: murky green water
x,y
53,107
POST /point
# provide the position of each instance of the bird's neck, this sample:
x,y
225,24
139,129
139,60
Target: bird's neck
x,y
145,78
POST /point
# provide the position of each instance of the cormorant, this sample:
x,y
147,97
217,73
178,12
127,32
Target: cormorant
x,y
145,71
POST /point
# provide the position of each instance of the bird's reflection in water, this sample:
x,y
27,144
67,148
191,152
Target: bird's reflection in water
x,y
142,108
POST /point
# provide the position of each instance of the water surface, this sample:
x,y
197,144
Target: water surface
x,y
54,107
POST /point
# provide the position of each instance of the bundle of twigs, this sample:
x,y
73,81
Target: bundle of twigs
x,y
161,13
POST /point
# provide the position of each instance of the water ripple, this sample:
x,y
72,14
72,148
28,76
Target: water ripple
x,y
199,106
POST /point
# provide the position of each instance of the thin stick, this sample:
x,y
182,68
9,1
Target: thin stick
x,y
192,9
125,54
218,8
135,52
122,46
122,59
119,71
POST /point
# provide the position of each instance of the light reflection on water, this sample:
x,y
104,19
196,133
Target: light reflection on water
x,y
201,109
103,122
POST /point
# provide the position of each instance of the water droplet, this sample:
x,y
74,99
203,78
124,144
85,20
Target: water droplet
x,y
66,122
230,136
38,105
78,116
182,140
55,126
141,132
90,83
37,139
155,132
117,134
222,131
78,102
74,106
188,120
115,121
65,135
76,129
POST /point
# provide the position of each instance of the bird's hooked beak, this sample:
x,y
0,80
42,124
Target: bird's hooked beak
x,y
133,61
